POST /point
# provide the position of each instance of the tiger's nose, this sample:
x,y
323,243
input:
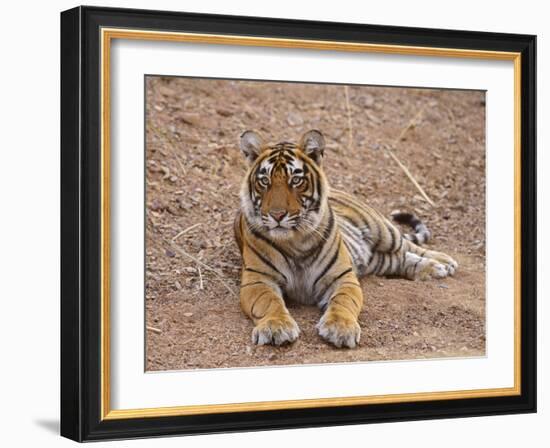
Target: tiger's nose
x,y
278,215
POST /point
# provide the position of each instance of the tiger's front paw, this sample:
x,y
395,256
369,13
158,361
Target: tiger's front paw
x,y
339,329
275,331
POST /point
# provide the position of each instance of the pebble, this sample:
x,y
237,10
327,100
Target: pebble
x,y
190,119
170,253
224,112
367,101
294,119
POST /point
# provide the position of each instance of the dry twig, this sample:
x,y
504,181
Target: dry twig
x,y
178,249
154,330
184,231
350,125
204,265
201,285
411,124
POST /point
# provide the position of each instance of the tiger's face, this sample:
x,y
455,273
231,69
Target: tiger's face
x,y
285,189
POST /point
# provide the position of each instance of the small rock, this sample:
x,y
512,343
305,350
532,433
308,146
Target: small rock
x,y
156,205
187,314
166,91
190,119
443,286
367,101
184,204
224,112
373,118
170,253
293,119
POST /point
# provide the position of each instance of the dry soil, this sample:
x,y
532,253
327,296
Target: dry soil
x,y
194,169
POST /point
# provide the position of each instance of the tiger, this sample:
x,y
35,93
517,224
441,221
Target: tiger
x,y
302,241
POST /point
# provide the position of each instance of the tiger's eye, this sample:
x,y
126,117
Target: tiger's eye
x,y
263,181
296,181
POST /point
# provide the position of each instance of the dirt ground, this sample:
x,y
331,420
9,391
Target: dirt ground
x,y
194,169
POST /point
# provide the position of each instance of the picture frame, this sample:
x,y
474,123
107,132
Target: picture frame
x,y
86,66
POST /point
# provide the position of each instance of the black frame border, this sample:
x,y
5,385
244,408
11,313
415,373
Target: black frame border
x,y
81,223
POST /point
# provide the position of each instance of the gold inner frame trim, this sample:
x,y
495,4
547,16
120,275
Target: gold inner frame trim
x,y
107,35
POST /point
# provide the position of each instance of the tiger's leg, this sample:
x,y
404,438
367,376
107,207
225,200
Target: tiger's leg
x,y
422,268
262,302
450,264
339,325
421,264
412,262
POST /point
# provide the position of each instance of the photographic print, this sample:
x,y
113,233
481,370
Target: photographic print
x,y
299,223
346,212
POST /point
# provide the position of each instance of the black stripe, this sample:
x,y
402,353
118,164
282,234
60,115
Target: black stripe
x,y
351,250
328,229
335,241
267,262
339,276
379,231
369,260
327,267
325,289
254,304
391,231
274,245
254,283
400,244
359,213
251,188
262,273
354,223
416,264
387,257
317,180
379,262
316,250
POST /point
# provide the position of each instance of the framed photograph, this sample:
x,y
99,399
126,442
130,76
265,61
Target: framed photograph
x,y
271,224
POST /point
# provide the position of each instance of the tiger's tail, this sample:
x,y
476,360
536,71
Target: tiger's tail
x,y
421,233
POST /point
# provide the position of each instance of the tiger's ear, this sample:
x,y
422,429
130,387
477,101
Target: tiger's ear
x,y
313,144
251,145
